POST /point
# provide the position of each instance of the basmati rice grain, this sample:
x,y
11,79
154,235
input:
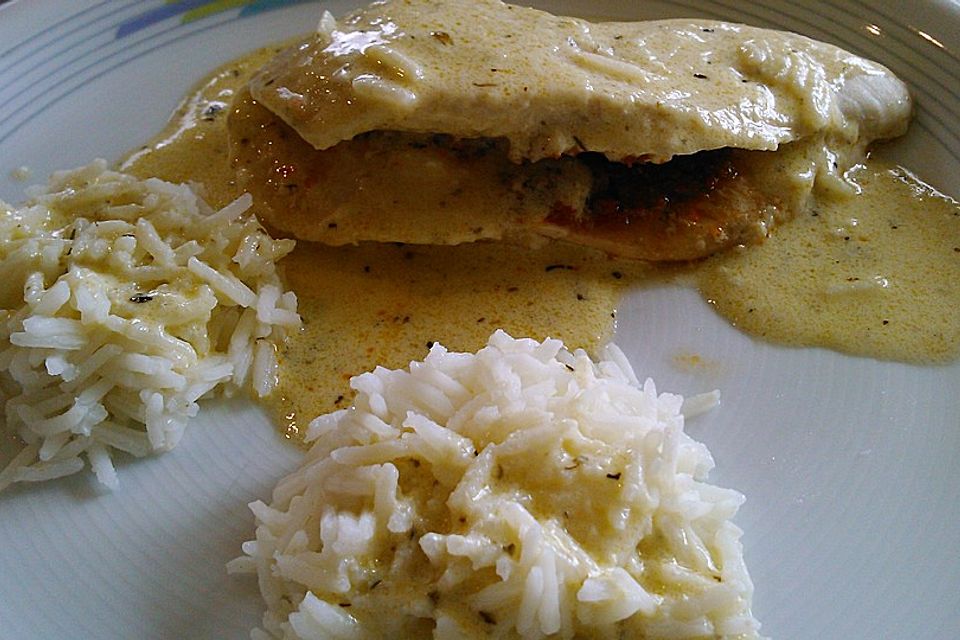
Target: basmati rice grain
x,y
520,492
111,327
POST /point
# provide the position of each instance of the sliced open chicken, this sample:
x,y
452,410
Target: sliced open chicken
x,y
429,121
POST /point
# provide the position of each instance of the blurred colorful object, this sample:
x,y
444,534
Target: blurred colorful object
x,y
190,10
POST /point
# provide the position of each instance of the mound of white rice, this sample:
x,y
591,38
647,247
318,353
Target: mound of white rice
x,y
122,303
519,492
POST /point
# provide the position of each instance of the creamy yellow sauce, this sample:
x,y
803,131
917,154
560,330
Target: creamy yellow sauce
x,y
383,304
553,85
889,291
877,274
439,122
193,145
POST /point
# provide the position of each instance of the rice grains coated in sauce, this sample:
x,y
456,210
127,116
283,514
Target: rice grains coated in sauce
x,y
886,292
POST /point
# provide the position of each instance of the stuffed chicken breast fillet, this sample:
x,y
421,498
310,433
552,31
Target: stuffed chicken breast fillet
x,y
449,121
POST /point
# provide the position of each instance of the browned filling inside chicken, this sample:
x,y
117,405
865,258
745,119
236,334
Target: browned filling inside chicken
x,y
438,189
684,209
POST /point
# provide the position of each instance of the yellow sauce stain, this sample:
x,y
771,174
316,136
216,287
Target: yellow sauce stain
x,y
695,363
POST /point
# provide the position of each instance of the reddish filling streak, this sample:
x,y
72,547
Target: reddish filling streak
x,y
671,191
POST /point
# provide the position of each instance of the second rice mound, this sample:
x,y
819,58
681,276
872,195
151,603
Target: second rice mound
x,y
523,491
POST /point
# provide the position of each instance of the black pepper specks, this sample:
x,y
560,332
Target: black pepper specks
x,y
210,112
554,267
700,76
614,476
140,298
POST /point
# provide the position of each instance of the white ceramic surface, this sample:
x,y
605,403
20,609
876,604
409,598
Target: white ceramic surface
x,y
850,465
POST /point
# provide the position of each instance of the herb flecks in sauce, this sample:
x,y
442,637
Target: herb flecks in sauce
x,y
876,274
887,292
414,296
385,303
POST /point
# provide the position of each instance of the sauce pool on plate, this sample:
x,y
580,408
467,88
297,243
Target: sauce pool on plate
x,y
875,274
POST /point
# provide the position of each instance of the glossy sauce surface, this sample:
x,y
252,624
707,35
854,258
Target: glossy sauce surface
x,y
807,285
555,85
875,274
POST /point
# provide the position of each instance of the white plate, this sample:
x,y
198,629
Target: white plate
x,y
850,465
